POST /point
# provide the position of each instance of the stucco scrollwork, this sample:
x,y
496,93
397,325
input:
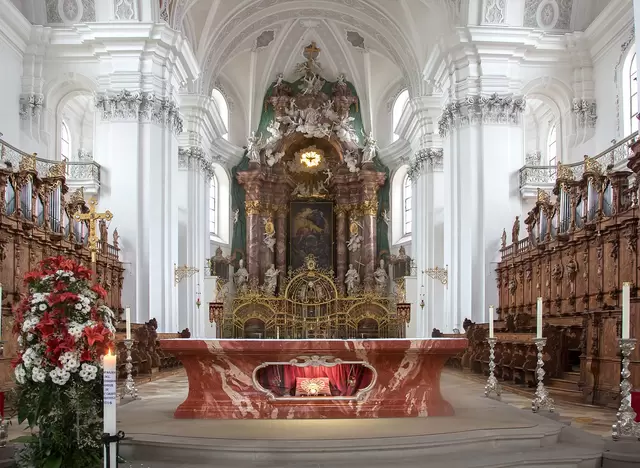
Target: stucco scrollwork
x,y
194,157
124,9
31,105
548,14
585,112
70,11
495,11
428,159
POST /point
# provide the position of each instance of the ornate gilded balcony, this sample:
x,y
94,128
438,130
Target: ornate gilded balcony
x,y
534,177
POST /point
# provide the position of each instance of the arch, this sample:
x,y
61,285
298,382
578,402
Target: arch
x,y
398,180
630,92
396,112
223,110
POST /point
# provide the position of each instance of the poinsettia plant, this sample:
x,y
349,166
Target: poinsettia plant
x,y
64,330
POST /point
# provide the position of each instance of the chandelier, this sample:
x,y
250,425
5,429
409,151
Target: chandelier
x,y
310,158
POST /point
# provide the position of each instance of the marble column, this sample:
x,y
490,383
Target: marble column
x,y
341,249
281,242
369,212
252,208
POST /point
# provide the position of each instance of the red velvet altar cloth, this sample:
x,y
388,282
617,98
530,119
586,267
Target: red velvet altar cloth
x,y
406,380
635,404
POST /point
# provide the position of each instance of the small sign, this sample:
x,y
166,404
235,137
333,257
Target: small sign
x,y
110,394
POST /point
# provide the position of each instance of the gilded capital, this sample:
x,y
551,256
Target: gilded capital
x,y
252,207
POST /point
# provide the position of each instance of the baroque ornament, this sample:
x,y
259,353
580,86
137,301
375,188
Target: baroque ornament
x,y
125,9
194,157
493,109
495,11
585,112
140,106
430,159
31,105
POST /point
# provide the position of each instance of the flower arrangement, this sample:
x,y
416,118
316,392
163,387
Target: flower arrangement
x,y
64,330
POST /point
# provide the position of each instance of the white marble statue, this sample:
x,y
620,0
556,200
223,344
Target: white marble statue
x,y
385,217
370,148
352,280
351,160
329,175
381,277
272,158
253,147
241,276
269,234
271,280
276,132
236,215
344,130
353,244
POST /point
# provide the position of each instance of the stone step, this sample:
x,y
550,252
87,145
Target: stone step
x,y
563,384
560,394
573,376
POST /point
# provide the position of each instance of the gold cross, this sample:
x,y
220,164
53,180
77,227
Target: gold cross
x,y
92,217
311,53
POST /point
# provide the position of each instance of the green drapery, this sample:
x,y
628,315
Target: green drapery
x,y
382,230
239,239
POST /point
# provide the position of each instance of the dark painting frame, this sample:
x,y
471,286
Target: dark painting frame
x,y
311,231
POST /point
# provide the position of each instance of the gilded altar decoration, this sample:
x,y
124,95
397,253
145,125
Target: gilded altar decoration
x,y
91,217
310,158
269,234
355,239
439,274
182,272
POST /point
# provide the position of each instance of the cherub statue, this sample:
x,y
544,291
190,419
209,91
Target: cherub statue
x,y
352,280
241,276
351,160
253,147
370,148
279,80
272,158
381,277
271,280
276,133
269,234
329,175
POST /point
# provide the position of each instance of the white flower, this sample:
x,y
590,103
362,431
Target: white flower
x,y
20,341
42,307
75,330
59,376
29,357
72,279
38,374
30,336
20,374
69,361
79,306
88,372
29,323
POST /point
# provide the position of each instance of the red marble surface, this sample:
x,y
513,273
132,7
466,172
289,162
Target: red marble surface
x,y
221,384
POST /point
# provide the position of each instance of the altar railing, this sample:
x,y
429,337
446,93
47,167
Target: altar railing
x,y
534,177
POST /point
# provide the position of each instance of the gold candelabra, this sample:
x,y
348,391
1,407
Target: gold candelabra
x,y
437,273
182,272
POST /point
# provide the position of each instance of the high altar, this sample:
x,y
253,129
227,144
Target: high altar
x,y
312,288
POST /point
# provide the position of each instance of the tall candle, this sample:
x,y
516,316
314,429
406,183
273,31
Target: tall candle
x,y
626,304
490,321
127,317
539,318
109,403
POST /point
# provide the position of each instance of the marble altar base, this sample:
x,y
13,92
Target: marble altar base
x,y
222,383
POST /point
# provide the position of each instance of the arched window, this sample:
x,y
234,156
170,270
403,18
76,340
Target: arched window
x,y
223,109
398,107
630,94
213,206
552,146
65,142
406,205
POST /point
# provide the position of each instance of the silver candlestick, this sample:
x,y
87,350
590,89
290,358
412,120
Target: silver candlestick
x,y
542,399
492,385
625,426
129,388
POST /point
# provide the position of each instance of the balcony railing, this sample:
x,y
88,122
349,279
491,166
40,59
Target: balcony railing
x,y
544,177
84,173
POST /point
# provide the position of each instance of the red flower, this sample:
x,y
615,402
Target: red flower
x,y
47,325
99,290
96,334
33,276
85,356
57,298
16,360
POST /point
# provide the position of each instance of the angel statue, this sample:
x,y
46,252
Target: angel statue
x,y
271,280
381,277
329,175
353,244
269,234
241,276
276,134
272,158
385,217
370,148
352,280
253,147
351,160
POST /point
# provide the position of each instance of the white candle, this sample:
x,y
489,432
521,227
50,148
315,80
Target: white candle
x,y
490,321
109,403
127,317
277,333
539,318
626,304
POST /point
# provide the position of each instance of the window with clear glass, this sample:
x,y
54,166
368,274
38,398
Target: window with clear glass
x,y
65,142
398,107
552,146
406,205
223,109
633,95
213,206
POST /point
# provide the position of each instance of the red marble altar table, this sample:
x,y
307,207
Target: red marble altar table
x,y
223,383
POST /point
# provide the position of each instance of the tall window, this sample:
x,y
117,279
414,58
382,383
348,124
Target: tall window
x,y
213,206
406,205
552,146
633,95
223,108
398,107
65,142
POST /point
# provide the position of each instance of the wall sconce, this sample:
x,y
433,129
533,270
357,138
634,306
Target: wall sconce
x,y
440,274
182,272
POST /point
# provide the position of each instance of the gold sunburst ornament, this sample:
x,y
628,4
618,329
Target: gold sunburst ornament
x,y
310,158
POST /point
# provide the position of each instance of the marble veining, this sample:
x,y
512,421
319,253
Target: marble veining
x,y
221,384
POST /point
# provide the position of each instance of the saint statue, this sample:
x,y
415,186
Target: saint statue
x,y
515,232
253,148
271,280
504,238
381,277
352,280
370,148
269,234
241,276
116,236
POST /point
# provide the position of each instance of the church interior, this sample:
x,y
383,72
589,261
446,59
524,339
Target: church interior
x,y
270,233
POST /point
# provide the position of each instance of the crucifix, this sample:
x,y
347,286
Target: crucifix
x,y
92,217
